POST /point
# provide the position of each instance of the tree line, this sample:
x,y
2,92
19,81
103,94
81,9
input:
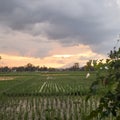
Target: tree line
x,y
32,68
29,67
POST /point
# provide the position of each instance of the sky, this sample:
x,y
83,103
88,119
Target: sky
x,y
57,33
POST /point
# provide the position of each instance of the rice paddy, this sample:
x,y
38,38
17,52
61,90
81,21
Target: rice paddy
x,y
46,96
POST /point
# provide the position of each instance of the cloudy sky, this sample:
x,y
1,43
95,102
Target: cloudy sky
x,y
57,33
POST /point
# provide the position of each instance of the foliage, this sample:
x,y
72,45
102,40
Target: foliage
x,y
110,101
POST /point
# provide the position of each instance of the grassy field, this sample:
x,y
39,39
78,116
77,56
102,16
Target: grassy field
x,y
46,96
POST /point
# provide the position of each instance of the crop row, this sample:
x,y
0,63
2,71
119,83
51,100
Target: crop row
x,y
43,85
47,108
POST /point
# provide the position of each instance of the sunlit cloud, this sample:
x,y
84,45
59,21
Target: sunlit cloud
x,y
57,33
57,59
62,56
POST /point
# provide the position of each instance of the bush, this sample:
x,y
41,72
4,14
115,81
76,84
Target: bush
x,y
110,101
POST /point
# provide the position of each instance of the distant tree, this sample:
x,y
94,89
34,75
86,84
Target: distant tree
x,y
21,69
29,67
43,68
51,69
74,67
5,69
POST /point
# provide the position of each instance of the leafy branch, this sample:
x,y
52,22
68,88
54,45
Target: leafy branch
x,y
109,103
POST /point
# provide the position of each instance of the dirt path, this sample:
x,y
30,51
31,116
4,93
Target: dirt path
x,y
6,78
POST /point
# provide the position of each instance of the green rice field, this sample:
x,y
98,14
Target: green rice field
x,y
47,95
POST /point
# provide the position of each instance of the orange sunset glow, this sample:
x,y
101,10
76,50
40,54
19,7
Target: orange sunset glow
x,y
58,58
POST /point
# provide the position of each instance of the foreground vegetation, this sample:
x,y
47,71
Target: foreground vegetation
x,y
46,108
110,101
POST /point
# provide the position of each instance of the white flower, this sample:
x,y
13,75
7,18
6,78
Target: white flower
x,y
88,74
101,68
106,67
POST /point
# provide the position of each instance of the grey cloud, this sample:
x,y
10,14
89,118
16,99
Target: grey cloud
x,y
70,22
25,51
6,6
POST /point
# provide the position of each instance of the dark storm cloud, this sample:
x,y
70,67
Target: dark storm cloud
x,y
7,6
92,23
